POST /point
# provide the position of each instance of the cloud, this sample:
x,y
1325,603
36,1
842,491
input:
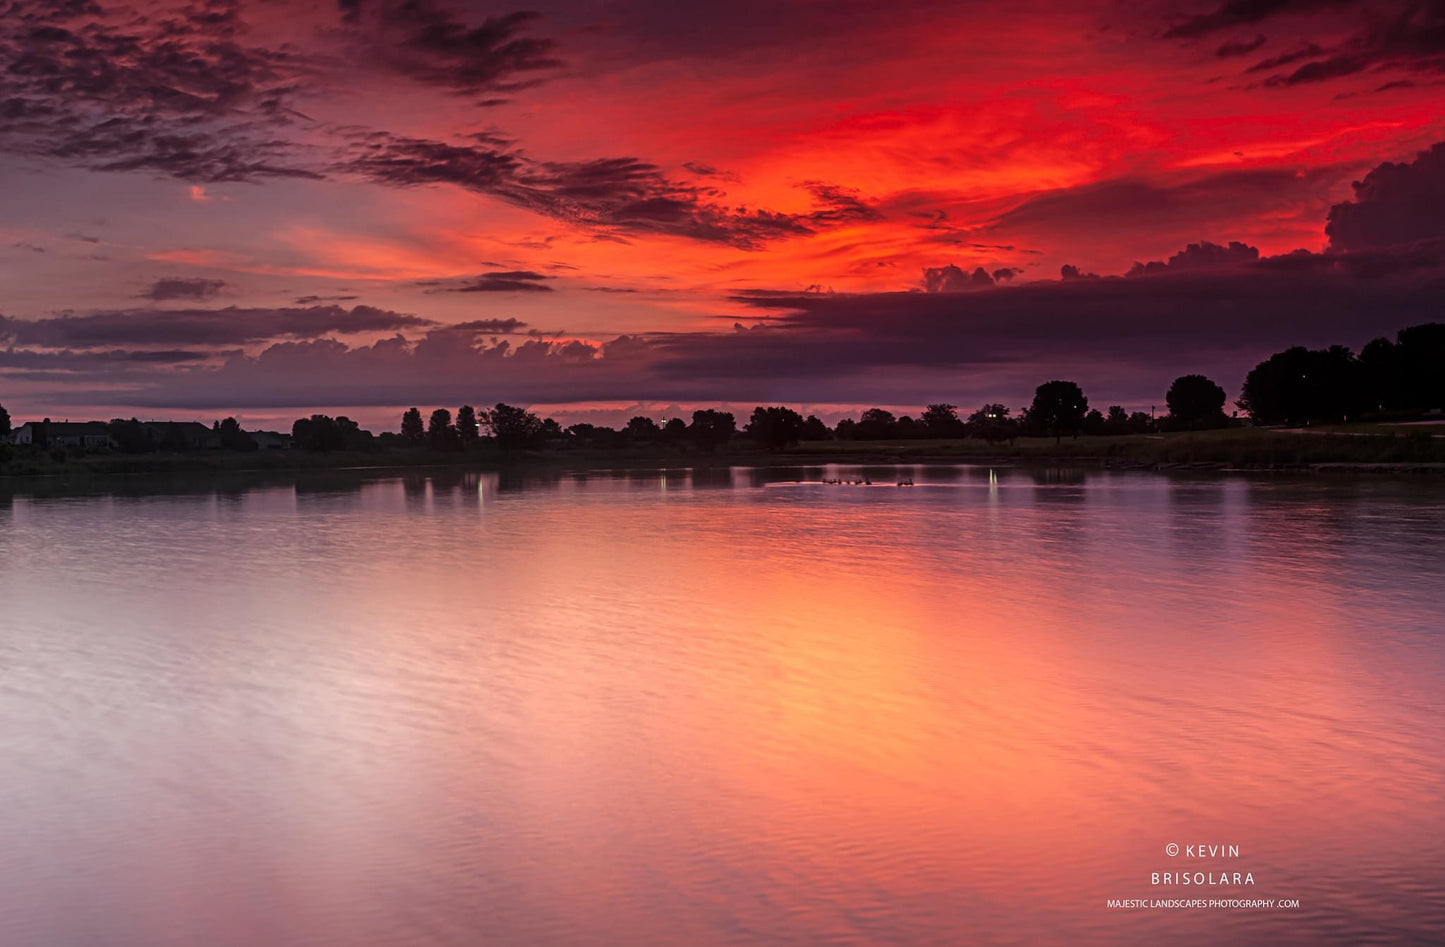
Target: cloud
x,y
1239,47
1233,13
488,326
309,300
497,281
179,327
1395,204
1123,339
1201,255
615,196
176,288
178,92
1406,35
426,43
951,279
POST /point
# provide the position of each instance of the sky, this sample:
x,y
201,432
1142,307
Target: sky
x,y
264,208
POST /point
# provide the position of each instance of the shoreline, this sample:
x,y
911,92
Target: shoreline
x,y
1229,451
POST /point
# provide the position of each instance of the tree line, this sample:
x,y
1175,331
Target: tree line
x,y
1388,379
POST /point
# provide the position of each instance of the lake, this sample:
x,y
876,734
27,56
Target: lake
x,y
723,707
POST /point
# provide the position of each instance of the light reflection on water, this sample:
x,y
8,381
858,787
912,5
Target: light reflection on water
x,y
720,706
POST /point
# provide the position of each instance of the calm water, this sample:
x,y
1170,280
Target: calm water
x,y
715,708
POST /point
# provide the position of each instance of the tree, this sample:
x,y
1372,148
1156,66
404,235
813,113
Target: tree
x,y
775,428
1093,422
512,428
1195,403
992,423
440,434
641,430
468,433
318,432
941,420
1116,421
1058,409
674,431
846,430
232,437
711,429
1300,385
876,424
411,427
352,435
130,437
815,430
4,422
1422,365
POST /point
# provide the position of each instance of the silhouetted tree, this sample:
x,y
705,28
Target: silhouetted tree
x,y
440,435
232,437
711,429
4,422
775,427
412,429
876,424
130,437
846,430
1300,385
1195,403
641,430
992,423
1421,353
1116,420
596,436
1093,422
1140,423
318,432
1058,409
941,420
815,430
468,432
674,431
352,435
513,428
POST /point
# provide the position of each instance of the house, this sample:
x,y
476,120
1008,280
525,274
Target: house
x,y
270,440
182,435
88,435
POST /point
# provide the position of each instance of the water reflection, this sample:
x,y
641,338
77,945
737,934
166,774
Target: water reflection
x,y
718,706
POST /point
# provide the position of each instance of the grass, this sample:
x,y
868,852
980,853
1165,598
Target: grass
x,y
1387,447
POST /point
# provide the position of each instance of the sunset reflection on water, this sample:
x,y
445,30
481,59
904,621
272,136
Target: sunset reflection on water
x,y
721,707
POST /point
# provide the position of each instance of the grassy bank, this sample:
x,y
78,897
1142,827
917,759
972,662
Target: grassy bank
x,y
1387,449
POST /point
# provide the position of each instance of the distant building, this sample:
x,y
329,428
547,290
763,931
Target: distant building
x,y
182,435
84,434
270,440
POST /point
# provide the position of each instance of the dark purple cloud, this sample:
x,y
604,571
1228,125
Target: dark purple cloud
x,y
951,279
428,43
1234,13
1396,204
497,281
180,288
1403,35
614,196
1239,47
173,327
1123,339
1196,256
179,92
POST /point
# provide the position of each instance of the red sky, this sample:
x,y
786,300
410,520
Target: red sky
x,y
267,207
